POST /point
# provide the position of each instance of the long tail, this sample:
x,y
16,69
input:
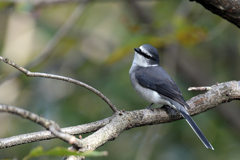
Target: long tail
x,y
195,128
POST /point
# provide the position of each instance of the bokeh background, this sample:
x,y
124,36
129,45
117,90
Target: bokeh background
x,y
93,42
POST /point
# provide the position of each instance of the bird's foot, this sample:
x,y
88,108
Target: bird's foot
x,y
168,109
149,107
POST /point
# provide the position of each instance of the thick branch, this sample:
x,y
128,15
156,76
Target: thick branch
x,y
121,121
219,94
227,9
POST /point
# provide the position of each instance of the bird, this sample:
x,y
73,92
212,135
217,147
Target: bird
x,y
154,84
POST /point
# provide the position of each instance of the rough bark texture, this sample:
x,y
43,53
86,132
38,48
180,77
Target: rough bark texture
x,y
227,9
109,128
219,93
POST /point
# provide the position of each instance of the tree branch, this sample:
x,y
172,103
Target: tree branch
x,y
199,88
121,120
48,124
219,94
46,135
227,9
67,79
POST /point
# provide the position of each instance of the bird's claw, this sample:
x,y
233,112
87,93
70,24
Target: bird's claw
x,y
149,107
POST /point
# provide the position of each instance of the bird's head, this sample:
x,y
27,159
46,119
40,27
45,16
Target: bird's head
x,y
146,56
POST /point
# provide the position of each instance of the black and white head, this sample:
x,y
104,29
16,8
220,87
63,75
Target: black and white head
x,y
146,56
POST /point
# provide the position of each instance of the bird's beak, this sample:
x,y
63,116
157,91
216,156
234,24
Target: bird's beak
x,y
137,50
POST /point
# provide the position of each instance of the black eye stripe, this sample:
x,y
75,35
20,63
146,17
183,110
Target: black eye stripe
x,y
145,55
142,53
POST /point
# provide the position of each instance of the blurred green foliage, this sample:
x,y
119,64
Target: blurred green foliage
x,y
196,47
60,151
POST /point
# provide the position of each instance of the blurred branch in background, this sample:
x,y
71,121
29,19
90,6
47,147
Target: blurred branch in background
x,y
229,10
45,53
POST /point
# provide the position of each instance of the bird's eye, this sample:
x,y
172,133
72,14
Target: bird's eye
x,y
139,51
145,55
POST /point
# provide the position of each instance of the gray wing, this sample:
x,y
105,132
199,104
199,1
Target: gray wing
x,y
157,79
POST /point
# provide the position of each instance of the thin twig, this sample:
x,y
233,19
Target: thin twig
x,y
48,124
46,135
67,79
52,2
66,27
199,88
26,114
66,137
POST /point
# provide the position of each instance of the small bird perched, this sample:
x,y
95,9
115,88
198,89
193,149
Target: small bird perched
x,y
153,84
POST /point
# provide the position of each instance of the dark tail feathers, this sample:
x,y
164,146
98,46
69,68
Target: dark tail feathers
x,y
196,129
